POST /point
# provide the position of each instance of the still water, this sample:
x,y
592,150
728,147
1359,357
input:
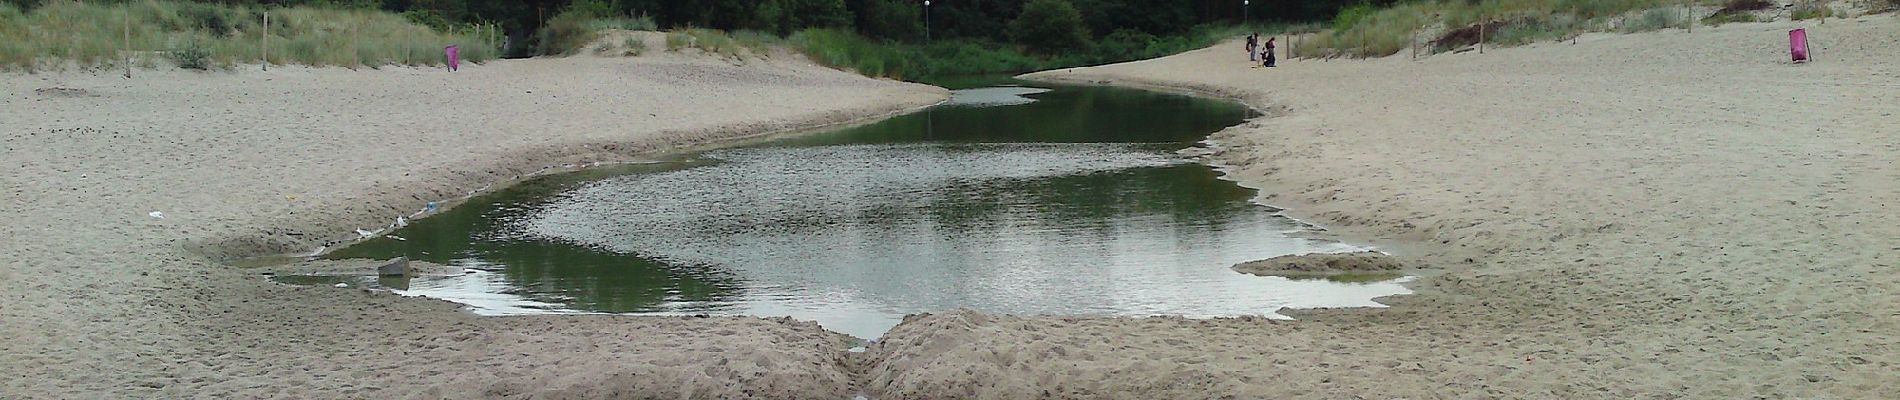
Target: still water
x,y
1007,199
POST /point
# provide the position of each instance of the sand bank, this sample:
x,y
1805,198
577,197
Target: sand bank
x,y
102,300
1662,215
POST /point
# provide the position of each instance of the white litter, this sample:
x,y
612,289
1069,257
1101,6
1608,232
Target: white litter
x,y
342,285
156,214
397,238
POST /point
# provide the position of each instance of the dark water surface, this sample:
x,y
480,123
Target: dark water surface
x,y
1008,199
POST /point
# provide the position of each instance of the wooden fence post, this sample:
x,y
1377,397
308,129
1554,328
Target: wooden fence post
x,y
1481,26
128,40
263,40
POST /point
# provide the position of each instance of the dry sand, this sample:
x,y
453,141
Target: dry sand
x,y
100,300
1663,215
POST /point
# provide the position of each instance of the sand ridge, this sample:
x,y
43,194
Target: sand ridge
x,y
102,300
1661,215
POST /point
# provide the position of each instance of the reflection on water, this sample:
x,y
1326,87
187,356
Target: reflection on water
x,y
1071,204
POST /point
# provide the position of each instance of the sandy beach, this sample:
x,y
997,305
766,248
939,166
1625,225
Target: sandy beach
x,y
1661,215
102,300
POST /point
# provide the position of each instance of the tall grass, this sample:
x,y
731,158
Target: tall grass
x,y
90,35
733,45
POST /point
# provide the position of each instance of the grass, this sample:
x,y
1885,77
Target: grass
x,y
1811,10
64,33
635,46
735,45
1362,32
1725,18
1656,19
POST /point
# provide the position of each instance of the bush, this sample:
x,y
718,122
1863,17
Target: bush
x,y
1124,45
1350,16
896,19
785,16
1723,18
192,56
1049,26
1811,10
635,46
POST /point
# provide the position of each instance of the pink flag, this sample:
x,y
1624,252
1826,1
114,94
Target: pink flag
x,y
1798,44
451,53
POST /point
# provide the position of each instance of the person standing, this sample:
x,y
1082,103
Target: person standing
x,y
1253,43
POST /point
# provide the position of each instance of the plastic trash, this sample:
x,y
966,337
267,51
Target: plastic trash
x,y
342,285
156,214
365,234
429,207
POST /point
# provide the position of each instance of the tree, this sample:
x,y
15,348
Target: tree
x,y
1049,26
890,19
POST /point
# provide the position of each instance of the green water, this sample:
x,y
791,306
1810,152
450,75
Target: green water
x,y
1008,199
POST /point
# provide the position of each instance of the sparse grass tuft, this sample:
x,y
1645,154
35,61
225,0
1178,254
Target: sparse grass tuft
x,y
635,46
1656,19
735,45
1724,18
1811,10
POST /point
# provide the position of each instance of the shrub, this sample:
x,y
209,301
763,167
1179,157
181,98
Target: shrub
x,y
1723,18
1811,10
635,46
192,56
1350,16
1049,26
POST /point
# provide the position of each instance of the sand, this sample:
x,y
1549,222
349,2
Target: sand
x,y
100,300
1321,264
1662,215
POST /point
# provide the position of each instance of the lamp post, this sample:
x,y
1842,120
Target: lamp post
x,y
1244,10
926,21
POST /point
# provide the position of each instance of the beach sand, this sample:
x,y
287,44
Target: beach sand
x,y
98,299
1660,215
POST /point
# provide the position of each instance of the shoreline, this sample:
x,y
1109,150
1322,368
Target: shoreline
x,y
1640,215
254,163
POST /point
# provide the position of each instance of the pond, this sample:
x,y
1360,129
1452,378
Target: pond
x,y
1054,200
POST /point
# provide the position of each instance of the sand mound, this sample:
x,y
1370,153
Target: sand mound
x,y
625,43
1320,264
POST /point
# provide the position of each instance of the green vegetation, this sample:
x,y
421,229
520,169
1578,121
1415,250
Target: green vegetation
x,y
63,33
1362,31
734,45
1811,10
1656,19
1049,26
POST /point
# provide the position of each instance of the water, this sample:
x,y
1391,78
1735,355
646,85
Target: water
x,y
1019,200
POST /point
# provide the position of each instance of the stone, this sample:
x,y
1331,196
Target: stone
x,y
398,266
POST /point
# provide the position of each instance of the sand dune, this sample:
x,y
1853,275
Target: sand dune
x,y
1663,215
101,300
